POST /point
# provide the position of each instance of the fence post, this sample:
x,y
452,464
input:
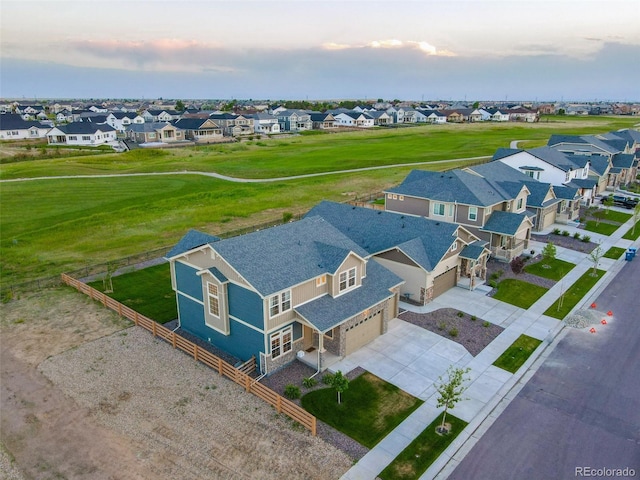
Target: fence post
x,y
219,365
247,383
279,404
135,317
195,352
173,339
153,328
313,425
120,309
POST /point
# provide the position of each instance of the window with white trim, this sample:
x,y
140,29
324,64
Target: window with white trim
x,y
281,342
520,200
438,209
454,246
347,280
280,303
321,280
473,213
213,299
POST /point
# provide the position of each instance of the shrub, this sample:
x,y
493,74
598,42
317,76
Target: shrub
x,y
517,265
286,217
586,238
292,392
556,231
460,314
327,378
309,382
565,233
486,324
442,326
473,318
576,235
453,332
493,284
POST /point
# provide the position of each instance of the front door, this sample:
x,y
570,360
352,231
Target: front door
x,y
307,335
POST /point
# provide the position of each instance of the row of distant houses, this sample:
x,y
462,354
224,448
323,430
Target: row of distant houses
x,y
320,288
223,124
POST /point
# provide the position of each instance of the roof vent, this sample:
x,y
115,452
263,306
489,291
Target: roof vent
x,y
401,216
379,212
403,225
437,223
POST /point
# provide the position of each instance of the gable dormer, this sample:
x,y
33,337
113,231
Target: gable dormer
x,y
348,276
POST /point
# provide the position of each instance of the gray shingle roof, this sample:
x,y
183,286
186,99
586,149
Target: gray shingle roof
x,y
623,160
13,121
192,239
565,193
328,312
474,250
582,183
218,274
599,164
424,240
505,223
84,127
563,161
278,258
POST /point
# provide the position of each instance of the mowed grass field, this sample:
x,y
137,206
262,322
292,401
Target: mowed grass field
x,y
56,225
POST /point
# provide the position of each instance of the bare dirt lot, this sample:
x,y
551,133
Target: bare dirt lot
x,y
85,396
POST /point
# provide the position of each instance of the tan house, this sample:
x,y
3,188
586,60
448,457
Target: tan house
x,y
158,132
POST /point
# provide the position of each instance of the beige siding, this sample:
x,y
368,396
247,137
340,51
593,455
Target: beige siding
x,y
300,294
443,266
220,323
350,262
414,277
462,216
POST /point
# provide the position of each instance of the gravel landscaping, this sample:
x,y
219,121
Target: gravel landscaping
x,y
504,269
474,335
567,242
186,420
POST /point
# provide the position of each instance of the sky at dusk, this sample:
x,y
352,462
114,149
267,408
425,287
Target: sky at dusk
x,y
360,49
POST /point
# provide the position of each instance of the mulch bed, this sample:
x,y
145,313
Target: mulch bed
x,y
504,269
566,242
471,334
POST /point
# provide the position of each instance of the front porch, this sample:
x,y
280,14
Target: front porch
x,y
509,251
314,357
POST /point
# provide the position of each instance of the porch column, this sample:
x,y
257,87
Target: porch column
x,y
321,349
473,275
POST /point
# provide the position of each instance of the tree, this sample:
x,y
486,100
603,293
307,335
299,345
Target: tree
x,y
476,104
608,203
340,383
179,106
450,390
595,257
548,252
517,265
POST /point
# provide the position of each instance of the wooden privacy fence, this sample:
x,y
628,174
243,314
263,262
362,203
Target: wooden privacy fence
x,y
281,404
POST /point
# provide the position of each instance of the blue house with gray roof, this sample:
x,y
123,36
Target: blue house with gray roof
x,y
302,289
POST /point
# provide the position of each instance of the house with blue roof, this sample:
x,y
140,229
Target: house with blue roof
x,y
303,289
82,133
493,209
430,256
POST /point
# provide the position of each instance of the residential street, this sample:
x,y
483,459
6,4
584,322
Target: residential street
x,y
580,409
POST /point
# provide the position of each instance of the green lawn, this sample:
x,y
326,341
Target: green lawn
x,y
555,271
574,294
370,408
414,460
633,233
514,356
615,216
147,291
602,227
519,293
53,226
298,155
614,252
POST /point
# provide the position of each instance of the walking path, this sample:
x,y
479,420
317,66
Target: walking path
x,y
413,358
245,180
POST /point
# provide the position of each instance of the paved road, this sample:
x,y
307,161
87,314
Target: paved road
x,y
580,409
248,180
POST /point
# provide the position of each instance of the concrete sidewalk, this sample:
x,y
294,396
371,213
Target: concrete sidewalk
x,y
413,358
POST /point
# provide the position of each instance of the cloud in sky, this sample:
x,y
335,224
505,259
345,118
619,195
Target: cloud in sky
x,y
320,73
320,49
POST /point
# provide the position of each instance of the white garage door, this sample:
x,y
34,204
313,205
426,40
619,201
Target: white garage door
x,y
363,332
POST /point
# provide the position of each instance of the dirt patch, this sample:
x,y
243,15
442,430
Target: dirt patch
x,y
472,333
129,406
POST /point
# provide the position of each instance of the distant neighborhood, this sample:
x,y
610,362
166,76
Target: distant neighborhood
x,y
160,124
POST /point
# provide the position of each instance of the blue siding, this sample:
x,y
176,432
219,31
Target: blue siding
x,y
242,341
245,305
187,281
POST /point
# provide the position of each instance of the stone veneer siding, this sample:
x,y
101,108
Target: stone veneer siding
x,y
270,365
